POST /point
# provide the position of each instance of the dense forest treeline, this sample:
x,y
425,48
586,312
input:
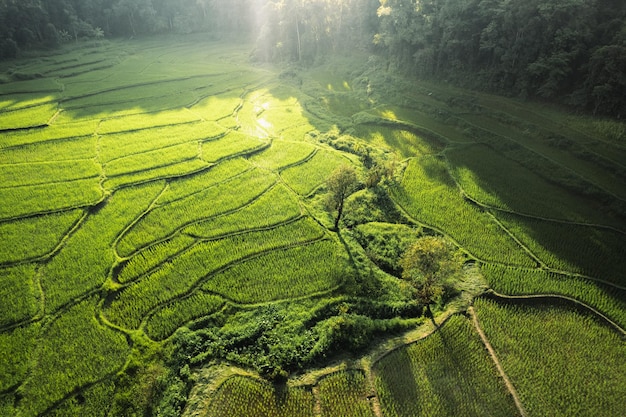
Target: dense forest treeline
x,y
567,51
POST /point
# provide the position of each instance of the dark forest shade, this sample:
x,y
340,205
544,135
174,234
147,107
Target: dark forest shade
x,y
567,51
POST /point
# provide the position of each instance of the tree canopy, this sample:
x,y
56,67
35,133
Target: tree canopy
x,y
569,51
431,264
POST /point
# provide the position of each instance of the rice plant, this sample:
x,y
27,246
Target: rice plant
x,y
344,394
430,196
447,374
306,177
284,274
87,257
518,281
34,237
232,144
118,145
44,198
164,322
164,220
16,349
241,396
562,362
189,269
19,294
275,206
94,352
16,175
282,154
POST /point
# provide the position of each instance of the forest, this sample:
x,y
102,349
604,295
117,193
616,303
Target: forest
x,y
571,52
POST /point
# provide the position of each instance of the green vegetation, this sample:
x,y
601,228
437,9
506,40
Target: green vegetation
x,y
447,374
166,243
344,394
529,340
243,396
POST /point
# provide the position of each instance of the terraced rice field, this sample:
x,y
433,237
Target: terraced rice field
x,y
149,186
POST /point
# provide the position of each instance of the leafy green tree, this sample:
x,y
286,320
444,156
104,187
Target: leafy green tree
x,y
431,265
341,183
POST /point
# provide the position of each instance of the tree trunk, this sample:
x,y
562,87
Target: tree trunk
x,y
300,46
339,213
430,314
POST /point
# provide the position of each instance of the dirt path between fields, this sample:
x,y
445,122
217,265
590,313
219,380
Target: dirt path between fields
x,y
492,353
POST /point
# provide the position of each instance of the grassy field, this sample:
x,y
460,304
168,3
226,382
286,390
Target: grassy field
x,y
163,215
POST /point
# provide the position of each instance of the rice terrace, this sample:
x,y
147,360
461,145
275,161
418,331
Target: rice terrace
x,y
188,228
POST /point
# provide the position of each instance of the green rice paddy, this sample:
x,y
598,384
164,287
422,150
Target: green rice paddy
x,y
150,192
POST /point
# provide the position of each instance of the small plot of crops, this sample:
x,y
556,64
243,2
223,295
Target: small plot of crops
x,y
186,186
430,196
172,170
583,249
67,150
447,374
45,198
218,106
479,170
17,347
519,281
35,236
183,273
52,133
119,145
344,394
407,143
152,257
152,159
277,205
147,120
282,154
85,261
25,101
582,163
421,120
29,117
16,175
94,401
164,322
562,363
61,367
232,144
279,275
164,220
19,294
306,177
241,396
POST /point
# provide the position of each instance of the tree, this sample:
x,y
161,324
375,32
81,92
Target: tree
x,y
431,264
341,183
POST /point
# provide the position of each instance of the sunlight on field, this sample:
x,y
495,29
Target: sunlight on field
x,y
167,201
